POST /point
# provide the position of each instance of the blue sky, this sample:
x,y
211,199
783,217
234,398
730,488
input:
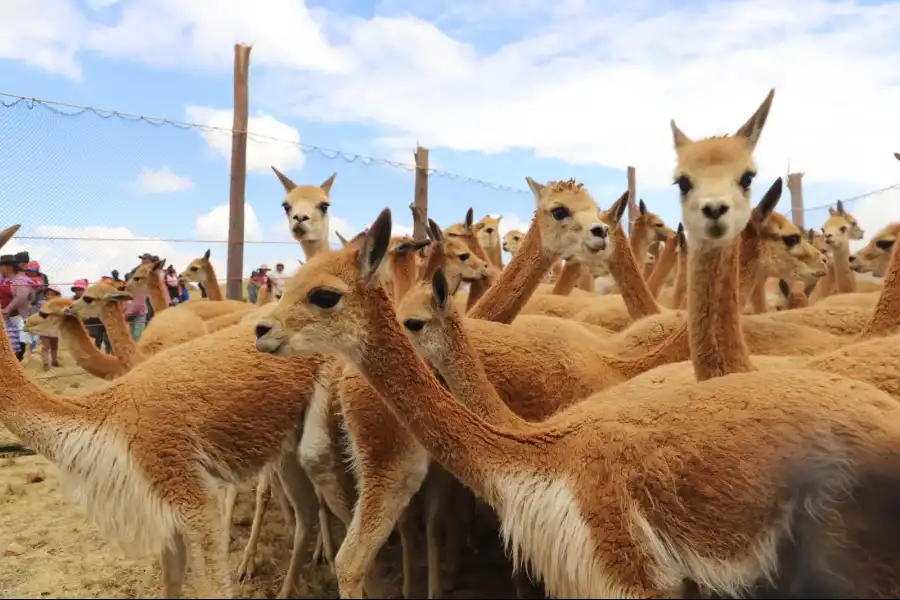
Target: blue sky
x,y
497,92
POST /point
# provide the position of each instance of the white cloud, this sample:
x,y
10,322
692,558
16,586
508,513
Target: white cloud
x,y
270,142
591,83
214,224
162,181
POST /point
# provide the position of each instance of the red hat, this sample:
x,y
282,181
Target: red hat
x,y
33,266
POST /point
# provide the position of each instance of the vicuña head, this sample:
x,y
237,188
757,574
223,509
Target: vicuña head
x,y
95,298
714,176
875,256
840,227
461,263
653,224
196,269
49,317
422,312
785,252
145,276
569,220
512,240
488,229
306,207
327,305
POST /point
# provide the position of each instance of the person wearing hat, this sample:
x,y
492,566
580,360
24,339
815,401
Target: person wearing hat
x,y
39,283
278,279
15,295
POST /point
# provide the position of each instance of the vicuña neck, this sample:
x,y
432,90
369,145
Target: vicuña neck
x,y
665,262
519,280
679,293
213,291
465,375
886,317
86,354
495,256
30,413
403,267
624,270
640,243
159,295
825,285
758,299
460,441
714,311
567,279
120,335
843,276
311,248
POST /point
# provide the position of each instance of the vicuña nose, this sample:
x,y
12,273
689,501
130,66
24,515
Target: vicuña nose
x,y
599,231
301,218
262,329
852,258
714,210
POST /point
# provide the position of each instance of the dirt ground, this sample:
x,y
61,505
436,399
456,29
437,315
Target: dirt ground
x,y
50,550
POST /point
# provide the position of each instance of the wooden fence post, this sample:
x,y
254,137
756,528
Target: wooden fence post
x,y
632,200
234,288
795,187
421,192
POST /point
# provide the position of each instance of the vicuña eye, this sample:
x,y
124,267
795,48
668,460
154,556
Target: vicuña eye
x,y
560,212
885,244
324,207
791,240
684,185
324,298
746,180
286,207
414,325
464,256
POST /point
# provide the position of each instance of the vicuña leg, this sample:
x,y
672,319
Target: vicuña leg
x,y
302,497
173,563
247,566
204,532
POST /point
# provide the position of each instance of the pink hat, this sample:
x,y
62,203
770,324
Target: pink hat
x,y
80,284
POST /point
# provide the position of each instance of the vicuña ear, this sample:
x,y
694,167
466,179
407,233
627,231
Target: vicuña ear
x,y
754,125
375,245
682,241
769,201
285,181
678,136
206,255
341,239
470,217
617,210
160,264
642,207
840,208
784,288
326,185
7,234
440,291
434,232
535,188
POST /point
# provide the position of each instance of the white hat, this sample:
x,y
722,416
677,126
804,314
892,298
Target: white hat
x,y
264,267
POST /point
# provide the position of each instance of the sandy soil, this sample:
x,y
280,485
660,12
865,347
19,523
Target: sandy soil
x,y
50,550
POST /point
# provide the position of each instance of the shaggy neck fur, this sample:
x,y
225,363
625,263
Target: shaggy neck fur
x,y
624,270
86,354
120,335
403,267
451,433
34,416
519,280
886,317
843,276
311,248
665,262
567,279
211,282
159,295
714,311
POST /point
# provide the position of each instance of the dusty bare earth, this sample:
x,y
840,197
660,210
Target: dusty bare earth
x,y
50,550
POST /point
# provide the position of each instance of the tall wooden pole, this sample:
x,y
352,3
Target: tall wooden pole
x,y
795,187
421,193
234,288
632,197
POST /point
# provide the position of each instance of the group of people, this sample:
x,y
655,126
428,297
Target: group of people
x,y
24,289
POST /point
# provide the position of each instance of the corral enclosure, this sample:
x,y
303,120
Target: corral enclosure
x,y
166,183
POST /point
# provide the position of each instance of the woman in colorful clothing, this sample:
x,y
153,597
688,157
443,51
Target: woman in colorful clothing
x,y
15,296
32,270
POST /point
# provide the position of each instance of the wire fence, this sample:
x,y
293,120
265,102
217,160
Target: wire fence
x,y
94,189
